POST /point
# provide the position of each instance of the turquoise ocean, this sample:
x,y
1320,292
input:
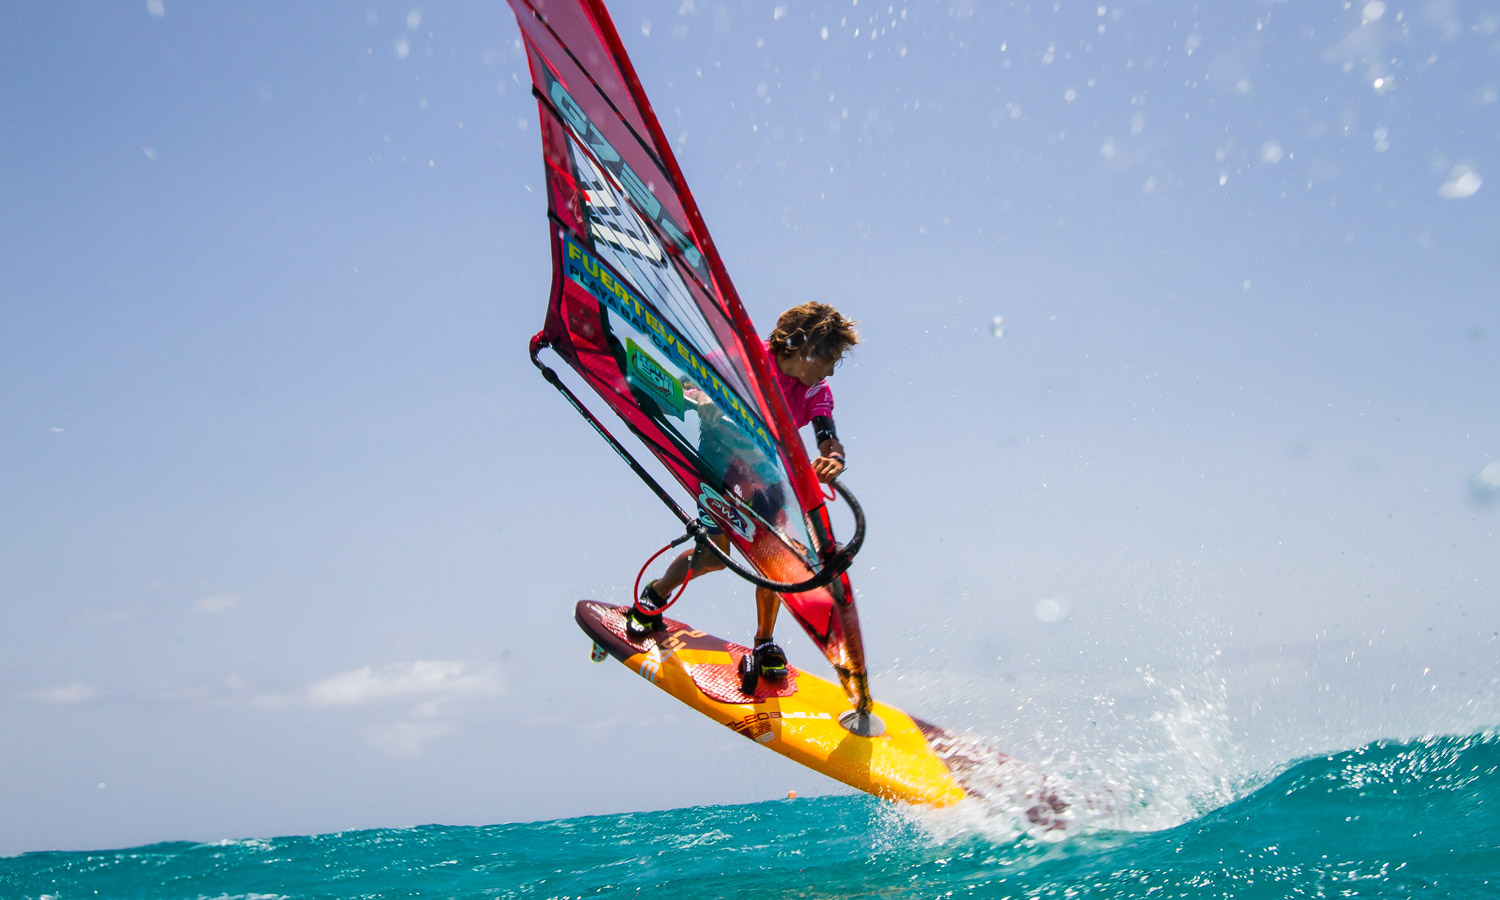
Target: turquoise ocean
x,y
1418,818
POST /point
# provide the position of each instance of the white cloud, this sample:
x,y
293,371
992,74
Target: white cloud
x,y
419,679
65,694
436,689
214,604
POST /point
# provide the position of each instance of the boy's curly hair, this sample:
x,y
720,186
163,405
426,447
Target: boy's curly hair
x,y
813,329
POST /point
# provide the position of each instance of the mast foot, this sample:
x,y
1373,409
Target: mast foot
x,y
862,724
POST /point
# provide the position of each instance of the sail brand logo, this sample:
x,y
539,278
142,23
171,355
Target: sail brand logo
x,y
613,219
589,273
648,374
723,511
575,118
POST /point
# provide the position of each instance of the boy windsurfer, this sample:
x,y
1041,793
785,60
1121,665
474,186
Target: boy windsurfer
x,y
805,348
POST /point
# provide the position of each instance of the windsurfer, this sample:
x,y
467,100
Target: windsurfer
x,y
805,348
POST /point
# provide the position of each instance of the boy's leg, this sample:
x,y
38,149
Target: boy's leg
x,y
767,605
678,570
655,594
769,658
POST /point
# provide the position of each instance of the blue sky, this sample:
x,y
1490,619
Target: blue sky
x,y
290,530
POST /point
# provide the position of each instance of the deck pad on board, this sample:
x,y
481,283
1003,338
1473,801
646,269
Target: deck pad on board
x,y
713,663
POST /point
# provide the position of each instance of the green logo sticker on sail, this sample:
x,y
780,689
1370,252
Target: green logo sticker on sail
x,y
654,380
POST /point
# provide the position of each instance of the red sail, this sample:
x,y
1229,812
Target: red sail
x,y
642,308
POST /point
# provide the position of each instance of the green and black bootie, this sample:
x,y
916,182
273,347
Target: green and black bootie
x,y
638,624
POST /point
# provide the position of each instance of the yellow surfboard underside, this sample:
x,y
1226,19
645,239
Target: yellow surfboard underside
x,y
800,720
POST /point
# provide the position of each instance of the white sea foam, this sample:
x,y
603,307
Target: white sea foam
x,y
260,844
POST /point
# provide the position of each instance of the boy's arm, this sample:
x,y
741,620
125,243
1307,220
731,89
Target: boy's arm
x,y
830,461
831,464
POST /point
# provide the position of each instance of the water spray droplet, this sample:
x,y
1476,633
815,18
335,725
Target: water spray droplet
x,y
1052,609
1486,484
1462,182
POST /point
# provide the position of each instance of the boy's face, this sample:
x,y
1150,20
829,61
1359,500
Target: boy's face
x,y
809,369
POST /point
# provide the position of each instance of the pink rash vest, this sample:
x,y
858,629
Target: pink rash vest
x,y
803,401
